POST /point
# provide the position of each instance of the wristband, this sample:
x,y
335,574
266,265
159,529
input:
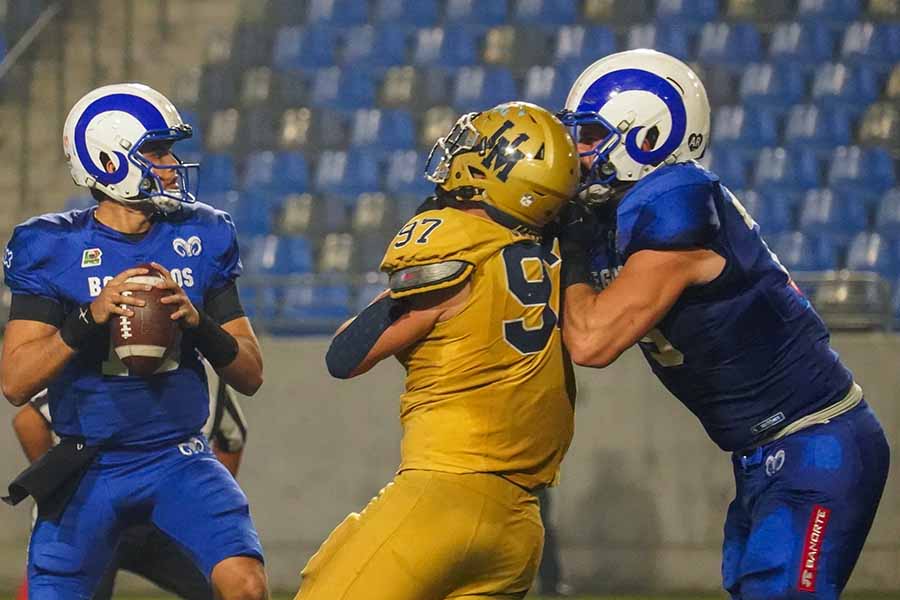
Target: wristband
x,y
575,268
217,345
78,327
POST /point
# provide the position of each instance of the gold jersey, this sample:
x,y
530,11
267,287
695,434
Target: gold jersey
x,y
489,390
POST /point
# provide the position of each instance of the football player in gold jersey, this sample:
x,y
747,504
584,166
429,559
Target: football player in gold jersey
x,y
472,314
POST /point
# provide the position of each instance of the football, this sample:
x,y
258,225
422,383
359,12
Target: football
x,y
143,341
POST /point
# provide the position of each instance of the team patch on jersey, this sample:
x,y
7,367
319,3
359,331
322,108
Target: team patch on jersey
x,y
189,247
812,548
92,257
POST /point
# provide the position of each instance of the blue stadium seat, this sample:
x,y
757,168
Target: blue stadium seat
x,y
771,213
871,44
671,40
799,252
721,84
546,86
581,46
476,12
381,131
260,302
253,212
864,174
477,88
406,175
836,85
870,252
340,13
369,251
733,45
451,46
258,130
545,12
347,89
251,45
294,256
347,175
384,46
744,129
370,290
419,13
273,172
818,129
808,45
304,48
194,143
824,213
312,303
218,86
831,12
787,172
887,219
768,85
731,167
691,14
217,173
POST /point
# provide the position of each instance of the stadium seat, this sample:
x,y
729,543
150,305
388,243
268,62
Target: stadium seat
x,y
375,283
258,130
887,219
346,175
336,253
260,301
186,88
758,11
544,12
731,45
308,214
545,86
777,213
809,44
251,45
294,256
437,123
731,167
768,85
831,12
870,252
342,89
516,48
820,130
257,85
381,131
475,12
271,172
883,10
372,213
217,173
218,86
880,126
414,88
193,144
477,88
308,308
451,46
798,252
824,213
720,82
304,48
370,47
789,172
863,174
690,14
836,85
744,129
670,40
871,44
406,175
418,13
618,12
341,13
580,46
369,250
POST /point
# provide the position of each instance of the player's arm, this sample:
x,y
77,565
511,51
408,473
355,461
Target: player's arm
x,y
33,432
231,460
40,339
388,326
599,325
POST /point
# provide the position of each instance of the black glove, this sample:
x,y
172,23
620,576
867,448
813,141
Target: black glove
x,y
577,228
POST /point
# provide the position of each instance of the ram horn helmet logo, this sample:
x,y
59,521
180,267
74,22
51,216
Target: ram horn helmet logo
x,y
189,247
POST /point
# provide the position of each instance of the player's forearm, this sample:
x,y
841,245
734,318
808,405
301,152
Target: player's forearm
x,y
245,372
28,368
595,332
33,433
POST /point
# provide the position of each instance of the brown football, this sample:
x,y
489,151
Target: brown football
x,y
143,341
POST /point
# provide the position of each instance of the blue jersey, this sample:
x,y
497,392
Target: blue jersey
x,y
68,257
746,352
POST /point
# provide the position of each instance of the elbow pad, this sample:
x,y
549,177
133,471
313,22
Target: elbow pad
x,y
351,346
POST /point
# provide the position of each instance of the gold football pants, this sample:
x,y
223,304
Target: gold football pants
x,y
430,535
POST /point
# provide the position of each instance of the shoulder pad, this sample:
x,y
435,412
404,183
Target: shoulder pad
x,y
675,210
37,252
440,248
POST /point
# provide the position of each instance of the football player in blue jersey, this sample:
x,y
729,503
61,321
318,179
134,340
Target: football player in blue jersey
x,y
662,254
131,449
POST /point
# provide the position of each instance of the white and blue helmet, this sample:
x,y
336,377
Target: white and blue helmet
x,y
645,109
112,123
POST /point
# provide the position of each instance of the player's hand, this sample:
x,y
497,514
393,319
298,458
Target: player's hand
x,y
186,313
577,227
115,298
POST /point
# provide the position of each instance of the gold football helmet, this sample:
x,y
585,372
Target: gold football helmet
x,y
517,158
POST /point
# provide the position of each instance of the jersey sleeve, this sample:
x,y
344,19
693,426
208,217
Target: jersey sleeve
x,y
228,265
27,264
433,251
677,219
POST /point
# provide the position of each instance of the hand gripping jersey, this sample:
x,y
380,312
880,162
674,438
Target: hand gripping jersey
x,y
746,353
489,390
67,258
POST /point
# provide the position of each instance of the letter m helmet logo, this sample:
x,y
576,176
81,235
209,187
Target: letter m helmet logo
x,y
503,155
